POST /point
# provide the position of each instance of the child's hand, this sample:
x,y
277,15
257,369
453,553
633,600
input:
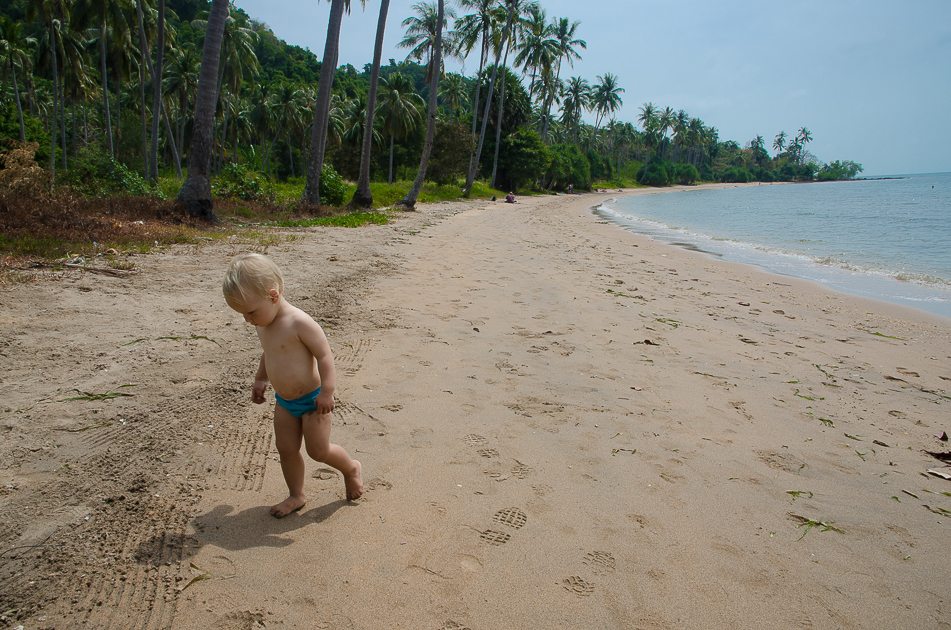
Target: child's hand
x,y
257,394
324,402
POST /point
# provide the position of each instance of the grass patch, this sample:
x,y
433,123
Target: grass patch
x,y
354,219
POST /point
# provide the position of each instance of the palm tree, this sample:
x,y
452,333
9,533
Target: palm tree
x,y
108,17
779,142
563,32
363,196
157,104
514,5
577,99
409,201
649,122
285,106
181,83
400,107
16,44
50,13
476,27
238,61
606,96
318,136
421,33
537,49
453,93
803,137
665,121
195,193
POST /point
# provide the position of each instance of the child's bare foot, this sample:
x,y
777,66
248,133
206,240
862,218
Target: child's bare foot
x,y
354,483
288,505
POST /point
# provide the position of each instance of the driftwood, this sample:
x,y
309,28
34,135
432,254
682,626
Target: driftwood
x,y
118,273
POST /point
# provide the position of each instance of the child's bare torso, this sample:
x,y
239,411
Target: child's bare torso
x,y
290,364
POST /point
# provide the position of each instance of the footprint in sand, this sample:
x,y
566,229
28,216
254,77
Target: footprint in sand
x,y
906,372
475,440
513,517
325,474
577,586
378,484
601,562
495,538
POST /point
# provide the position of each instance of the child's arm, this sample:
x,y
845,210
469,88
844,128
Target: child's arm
x,y
260,383
316,341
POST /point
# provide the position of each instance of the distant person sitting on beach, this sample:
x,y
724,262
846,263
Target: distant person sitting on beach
x,y
298,363
510,198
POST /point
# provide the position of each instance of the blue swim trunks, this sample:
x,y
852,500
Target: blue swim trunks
x,y
299,406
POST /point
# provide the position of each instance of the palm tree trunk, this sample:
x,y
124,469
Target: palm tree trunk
x,y
277,135
498,126
53,126
72,103
196,191
62,119
409,201
16,95
224,134
85,124
318,137
118,113
157,104
105,88
483,54
390,179
470,177
363,197
290,155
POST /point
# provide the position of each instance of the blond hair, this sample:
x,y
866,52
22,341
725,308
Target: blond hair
x,y
251,275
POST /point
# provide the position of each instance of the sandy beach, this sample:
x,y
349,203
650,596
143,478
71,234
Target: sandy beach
x,y
561,425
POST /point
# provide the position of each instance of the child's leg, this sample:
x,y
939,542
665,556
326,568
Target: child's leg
x,y
288,434
316,427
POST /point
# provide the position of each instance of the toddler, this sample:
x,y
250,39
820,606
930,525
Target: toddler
x,y
298,363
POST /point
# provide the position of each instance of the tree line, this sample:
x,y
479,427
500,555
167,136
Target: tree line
x,y
200,88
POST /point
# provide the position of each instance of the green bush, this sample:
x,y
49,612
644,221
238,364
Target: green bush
x,y
601,168
656,174
840,170
523,158
126,182
237,181
735,174
568,166
451,148
333,192
10,128
685,174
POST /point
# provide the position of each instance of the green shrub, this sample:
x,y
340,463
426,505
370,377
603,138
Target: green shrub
x,y
237,181
656,174
601,168
451,148
568,166
35,132
333,192
128,183
523,158
735,174
685,174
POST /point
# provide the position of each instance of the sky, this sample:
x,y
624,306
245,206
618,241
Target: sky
x,y
869,79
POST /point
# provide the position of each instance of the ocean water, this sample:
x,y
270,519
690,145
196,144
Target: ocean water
x,y
887,239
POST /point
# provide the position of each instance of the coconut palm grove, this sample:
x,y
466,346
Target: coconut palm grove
x,y
198,101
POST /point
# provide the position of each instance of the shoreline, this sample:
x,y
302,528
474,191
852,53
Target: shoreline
x,y
558,428
838,281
